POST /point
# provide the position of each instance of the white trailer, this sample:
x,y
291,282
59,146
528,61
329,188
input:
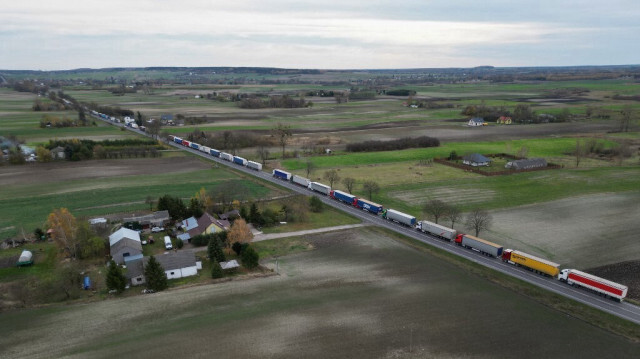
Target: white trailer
x,y
597,284
437,230
226,156
301,181
254,165
397,216
320,188
204,149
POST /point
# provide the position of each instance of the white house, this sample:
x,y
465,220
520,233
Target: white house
x,y
477,121
175,264
476,159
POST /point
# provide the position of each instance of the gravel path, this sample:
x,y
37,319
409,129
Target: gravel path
x,y
264,237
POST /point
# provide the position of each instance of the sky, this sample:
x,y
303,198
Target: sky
x,y
327,34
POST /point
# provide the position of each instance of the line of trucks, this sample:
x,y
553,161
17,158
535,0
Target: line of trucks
x,y
538,265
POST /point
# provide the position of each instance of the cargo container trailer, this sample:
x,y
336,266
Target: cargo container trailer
x,y
239,161
194,145
596,284
282,174
204,149
479,245
214,153
226,156
177,140
320,188
343,197
397,216
301,181
531,262
186,143
254,165
437,230
369,206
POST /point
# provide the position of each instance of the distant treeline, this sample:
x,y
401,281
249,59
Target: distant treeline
x,y
77,150
273,102
399,144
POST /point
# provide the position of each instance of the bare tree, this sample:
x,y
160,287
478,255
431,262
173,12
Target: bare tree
x,y
453,214
332,176
435,208
580,151
371,187
263,153
625,119
309,167
282,133
349,183
479,220
149,200
153,128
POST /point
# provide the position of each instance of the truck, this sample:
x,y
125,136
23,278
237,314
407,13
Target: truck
x,y
479,245
320,188
368,206
226,156
204,149
194,145
282,174
596,284
214,152
437,230
343,197
186,143
304,182
239,161
177,140
254,165
531,262
397,216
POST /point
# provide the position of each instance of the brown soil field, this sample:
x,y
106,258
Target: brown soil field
x,y
625,272
359,294
64,170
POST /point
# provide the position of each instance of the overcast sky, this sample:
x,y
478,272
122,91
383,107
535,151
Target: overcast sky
x,y
327,34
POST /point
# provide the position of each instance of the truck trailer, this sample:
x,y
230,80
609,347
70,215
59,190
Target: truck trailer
x,y
534,263
369,206
226,156
597,284
195,146
214,152
343,197
204,149
304,182
320,188
239,161
186,143
397,216
479,245
254,165
437,230
282,174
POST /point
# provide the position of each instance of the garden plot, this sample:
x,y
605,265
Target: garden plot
x,y
451,195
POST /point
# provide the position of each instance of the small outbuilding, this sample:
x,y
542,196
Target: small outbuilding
x,y
475,160
26,259
526,164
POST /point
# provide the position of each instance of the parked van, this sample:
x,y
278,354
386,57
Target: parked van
x,y
167,243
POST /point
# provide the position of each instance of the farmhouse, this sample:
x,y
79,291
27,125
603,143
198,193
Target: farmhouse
x,y
175,265
504,120
477,121
476,159
206,224
526,164
125,245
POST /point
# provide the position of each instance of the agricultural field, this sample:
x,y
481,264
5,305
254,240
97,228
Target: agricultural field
x,y
406,303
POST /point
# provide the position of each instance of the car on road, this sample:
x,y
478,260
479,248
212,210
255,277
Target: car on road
x,y
157,229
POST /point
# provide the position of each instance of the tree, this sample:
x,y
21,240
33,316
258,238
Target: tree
x,y
250,258
67,279
453,214
216,270
315,204
64,227
309,167
282,133
580,150
44,155
115,279
154,273
175,206
332,176
435,208
625,118
89,245
479,220
214,250
82,117
349,182
149,200
39,234
238,247
239,232
254,214
195,208
370,187
153,128
523,114
263,153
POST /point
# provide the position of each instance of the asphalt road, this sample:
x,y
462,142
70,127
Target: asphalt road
x,y
623,310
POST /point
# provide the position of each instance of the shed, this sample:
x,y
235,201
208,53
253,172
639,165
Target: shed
x,y
58,153
26,259
526,164
135,272
178,264
476,159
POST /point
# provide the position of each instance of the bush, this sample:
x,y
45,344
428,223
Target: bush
x,y
239,247
316,204
200,240
178,243
216,270
250,258
392,145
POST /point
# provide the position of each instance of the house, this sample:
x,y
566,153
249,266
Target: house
x,y
526,164
477,121
234,214
175,265
166,118
125,245
206,224
58,153
155,219
476,159
504,120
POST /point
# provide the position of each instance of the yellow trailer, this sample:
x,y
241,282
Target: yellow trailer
x,y
532,262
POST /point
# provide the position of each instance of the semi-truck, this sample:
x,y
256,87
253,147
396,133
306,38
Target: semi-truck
x,y
320,188
343,197
194,145
282,174
226,156
304,182
214,152
437,230
177,140
480,245
186,143
239,161
369,206
531,262
254,165
204,149
397,216
597,284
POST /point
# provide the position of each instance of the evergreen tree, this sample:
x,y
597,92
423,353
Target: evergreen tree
x,y
216,270
214,250
154,273
115,279
250,258
243,213
254,215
